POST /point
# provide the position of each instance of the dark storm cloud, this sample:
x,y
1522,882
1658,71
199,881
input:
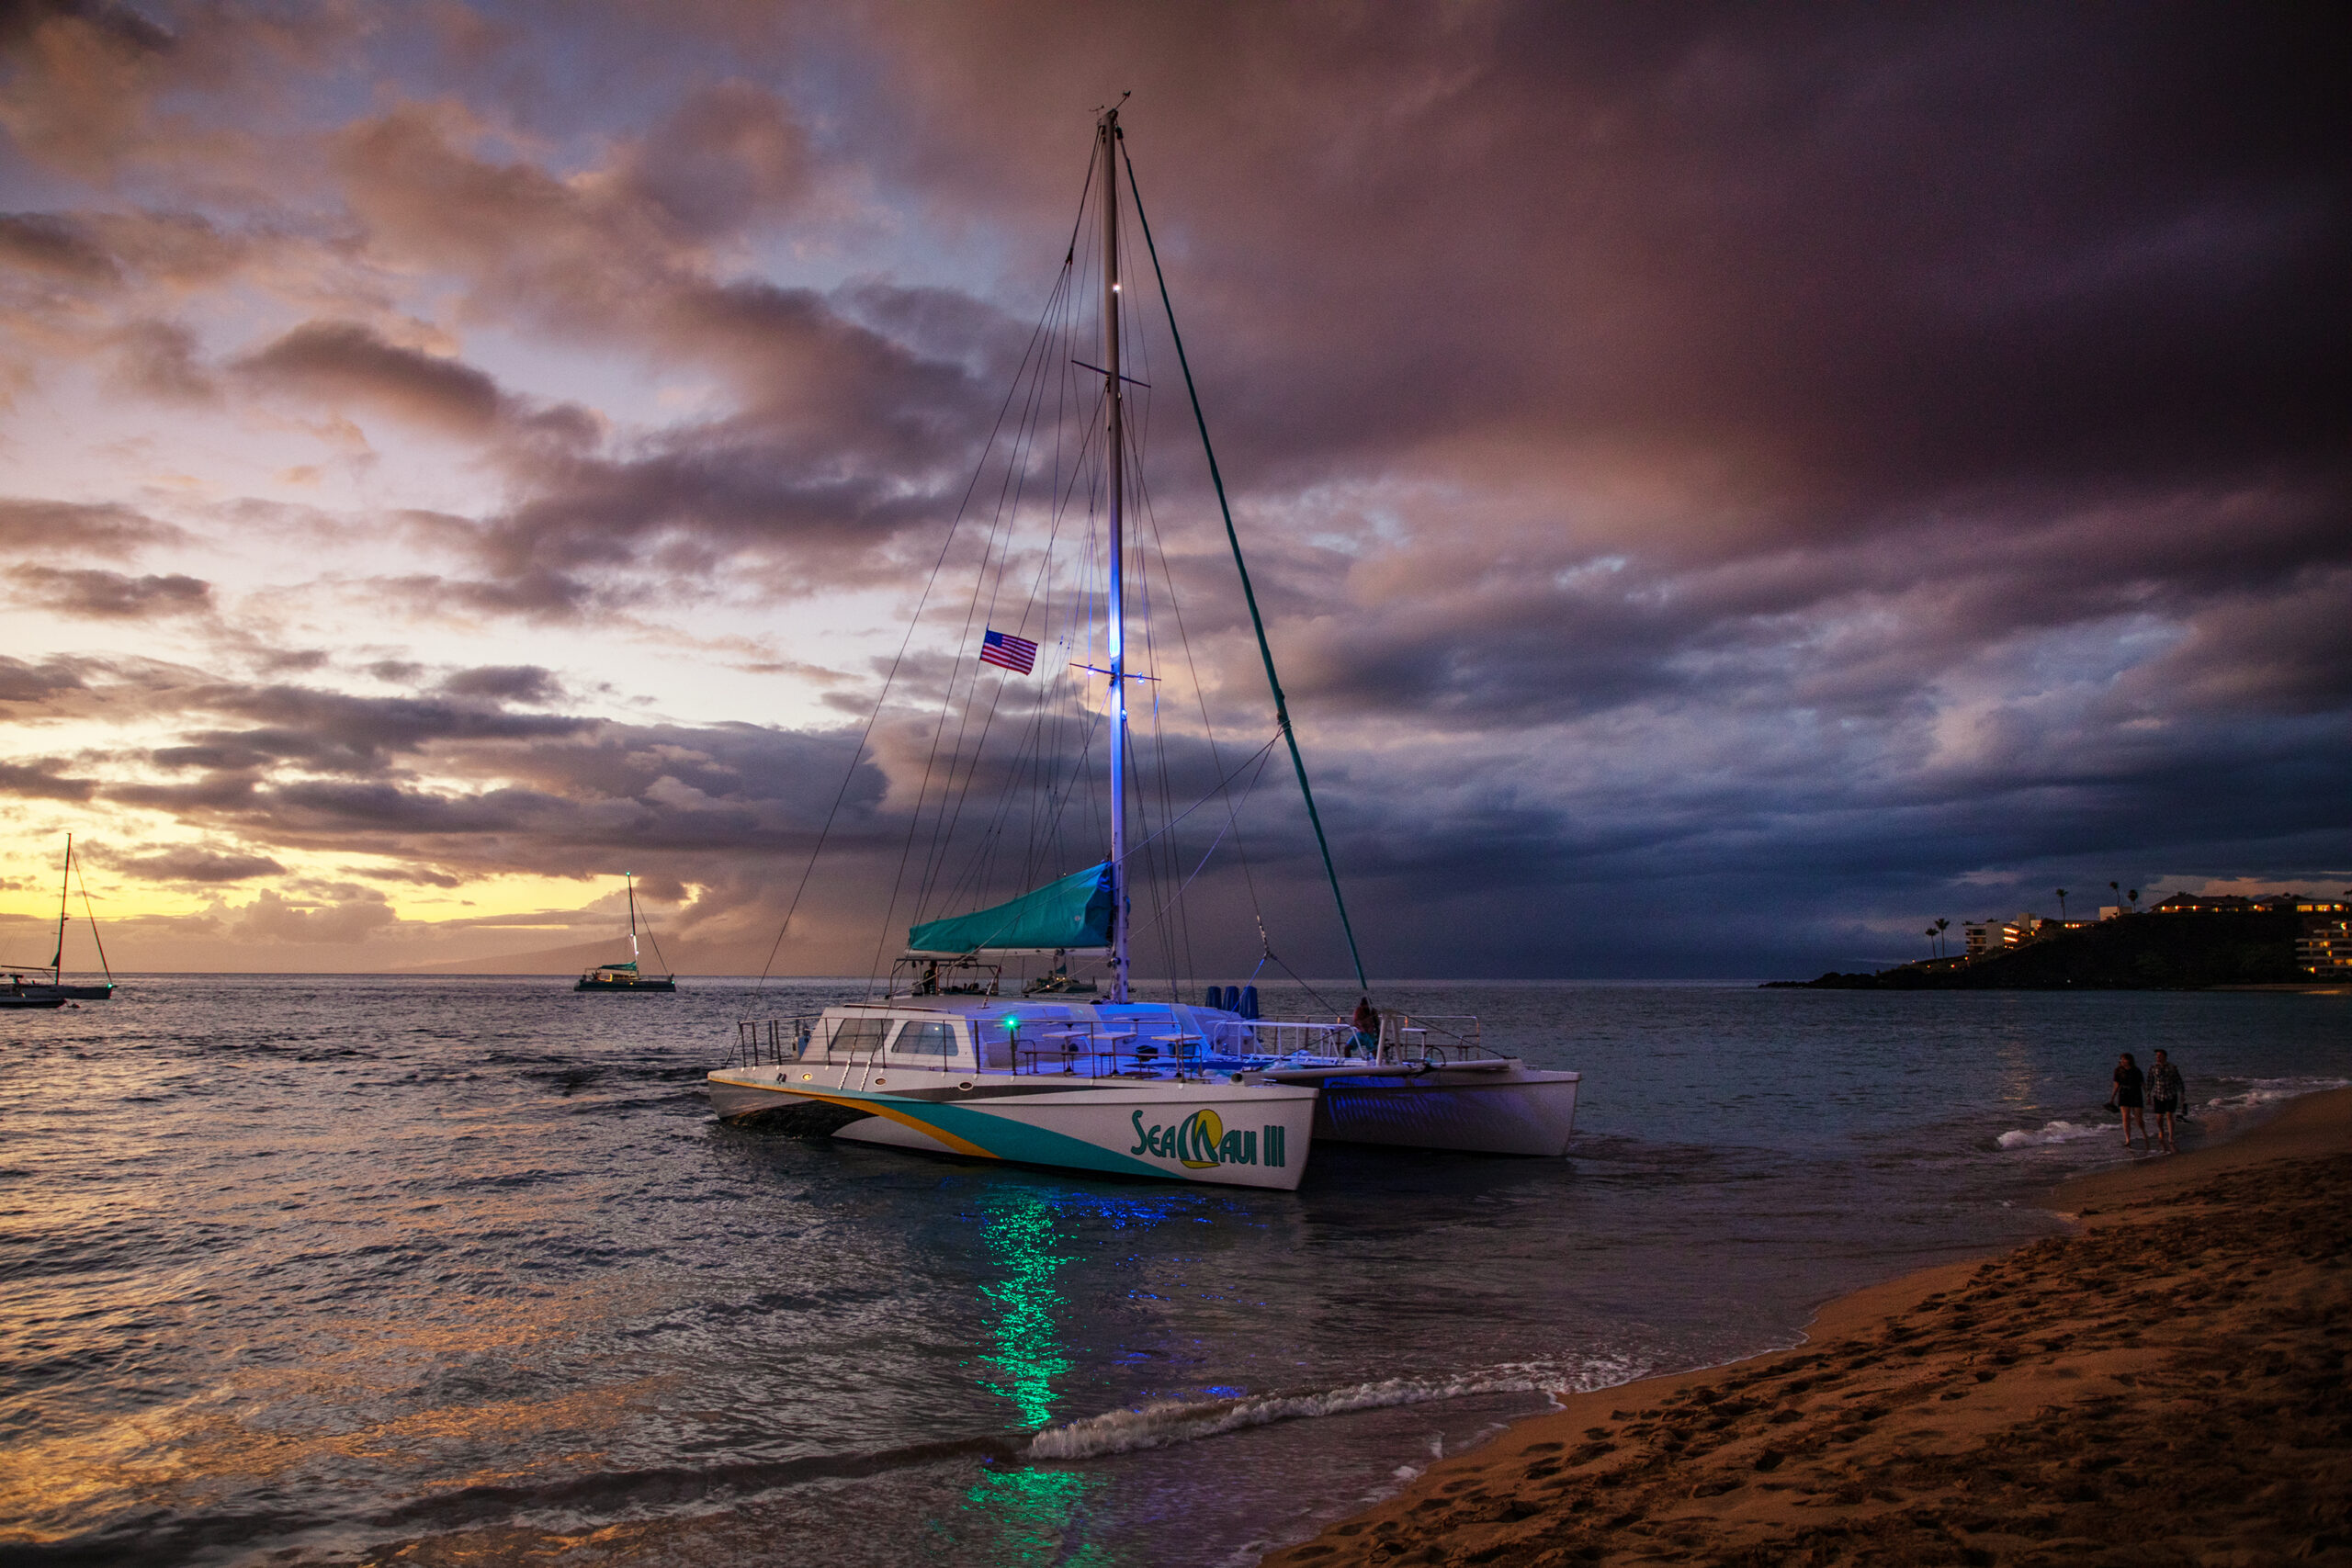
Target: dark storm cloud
x,y
191,863
334,732
855,416
109,595
53,527
506,684
160,360
56,245
24,683
41,779
346,359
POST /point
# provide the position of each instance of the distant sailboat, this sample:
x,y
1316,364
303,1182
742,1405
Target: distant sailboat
x,y
625,976
54,991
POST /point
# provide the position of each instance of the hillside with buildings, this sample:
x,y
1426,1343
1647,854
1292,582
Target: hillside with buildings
x,y
2189,941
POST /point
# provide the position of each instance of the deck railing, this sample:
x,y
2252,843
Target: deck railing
x,y
1403,1037
1108,1048
772,1042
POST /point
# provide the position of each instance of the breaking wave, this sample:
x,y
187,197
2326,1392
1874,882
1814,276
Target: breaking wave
x,y
2244,1094
2269,1091
2054,1133
1170,1422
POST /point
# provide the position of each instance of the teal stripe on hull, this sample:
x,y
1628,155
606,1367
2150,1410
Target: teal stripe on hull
x,y
1012,1140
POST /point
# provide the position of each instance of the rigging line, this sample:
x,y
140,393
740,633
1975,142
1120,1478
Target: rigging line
x,y
1210,795
944,832
1208,725
1047,367
657,948
849,773
1033,376
1264,753
1061,291
1179,931
943,824
1299,982
1029,757
922,796
1265,650
1200,695
90,914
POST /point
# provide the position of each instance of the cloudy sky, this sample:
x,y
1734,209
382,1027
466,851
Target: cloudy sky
x,y
1729,485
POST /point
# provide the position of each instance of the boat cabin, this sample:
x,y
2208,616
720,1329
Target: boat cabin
x,y
951,1034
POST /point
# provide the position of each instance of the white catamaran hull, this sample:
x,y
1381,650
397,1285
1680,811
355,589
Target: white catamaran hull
x,y
1513,1111
1219,1134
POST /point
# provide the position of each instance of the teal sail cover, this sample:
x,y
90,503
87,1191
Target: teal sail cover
x,y
1072,913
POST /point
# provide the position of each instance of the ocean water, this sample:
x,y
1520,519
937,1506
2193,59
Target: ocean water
x,y
320,1269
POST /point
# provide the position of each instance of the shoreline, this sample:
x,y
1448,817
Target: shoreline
x,y
2163,1380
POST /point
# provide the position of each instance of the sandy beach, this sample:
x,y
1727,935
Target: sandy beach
x,y
2166,1384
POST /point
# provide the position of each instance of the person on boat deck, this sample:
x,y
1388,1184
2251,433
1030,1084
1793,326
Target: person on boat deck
x,y
1367,1022
2128,1082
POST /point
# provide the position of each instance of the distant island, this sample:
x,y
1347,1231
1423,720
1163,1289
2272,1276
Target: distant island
x,y
2188,943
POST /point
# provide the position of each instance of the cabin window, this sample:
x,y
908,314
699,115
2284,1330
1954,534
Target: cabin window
x,y
925,1040
858,1036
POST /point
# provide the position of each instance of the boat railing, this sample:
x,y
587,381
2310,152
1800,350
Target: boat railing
x,y
1279,1037
1432,1037
1414,1037
772,1042
1091,1049
1123,1047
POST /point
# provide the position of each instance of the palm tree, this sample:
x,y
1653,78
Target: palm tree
x,y
1931,941
2061,905
2134,896
1941,924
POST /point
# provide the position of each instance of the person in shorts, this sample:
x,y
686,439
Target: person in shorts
x,y
2165,1091
2126,1098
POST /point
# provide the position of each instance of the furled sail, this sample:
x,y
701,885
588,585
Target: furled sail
x,y
1073,914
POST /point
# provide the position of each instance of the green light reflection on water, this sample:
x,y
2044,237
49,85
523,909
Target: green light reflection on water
x,y
1029,1513
1026,1513
1018,1227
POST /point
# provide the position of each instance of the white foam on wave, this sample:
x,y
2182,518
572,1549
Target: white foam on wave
x,y
1169,1422
2269,1091
2053,1133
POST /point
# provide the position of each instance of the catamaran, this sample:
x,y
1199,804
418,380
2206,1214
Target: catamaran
x,y
55,989
946,1062
626,976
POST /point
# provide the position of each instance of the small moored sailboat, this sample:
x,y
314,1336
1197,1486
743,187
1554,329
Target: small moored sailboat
x,y
626,976
56,990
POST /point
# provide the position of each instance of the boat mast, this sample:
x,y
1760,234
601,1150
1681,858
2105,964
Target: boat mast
x,y
65,887
631,877
1115,449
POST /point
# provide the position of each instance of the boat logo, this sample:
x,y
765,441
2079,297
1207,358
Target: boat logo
x,y
1201,1141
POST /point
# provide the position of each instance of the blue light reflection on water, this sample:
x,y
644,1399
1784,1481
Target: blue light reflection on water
x,y
319,1263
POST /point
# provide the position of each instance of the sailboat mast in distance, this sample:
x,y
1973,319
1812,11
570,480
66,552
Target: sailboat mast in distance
x,y
1115,449
65,887
631,877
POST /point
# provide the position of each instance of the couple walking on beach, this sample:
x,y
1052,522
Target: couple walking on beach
x,y
2161,1085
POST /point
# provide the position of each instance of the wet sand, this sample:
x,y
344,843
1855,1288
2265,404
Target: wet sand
x,y
2167,1384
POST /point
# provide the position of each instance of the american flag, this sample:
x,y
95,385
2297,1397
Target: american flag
x,y
1003,650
